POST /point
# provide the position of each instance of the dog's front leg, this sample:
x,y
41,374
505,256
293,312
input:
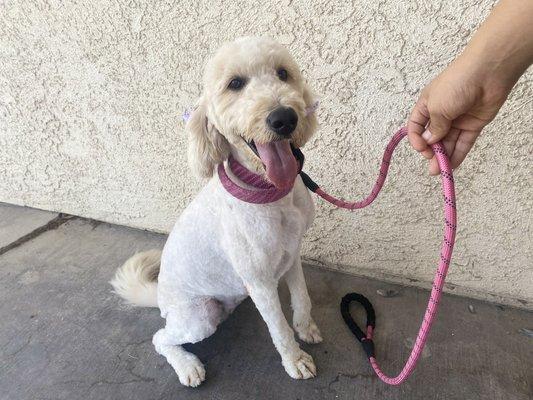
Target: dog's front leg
x,y
301,304
297,363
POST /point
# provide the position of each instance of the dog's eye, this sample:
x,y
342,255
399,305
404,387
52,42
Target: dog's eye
x,y
236,84
283,74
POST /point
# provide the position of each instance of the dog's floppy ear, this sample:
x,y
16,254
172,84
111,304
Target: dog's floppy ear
x,y
207,147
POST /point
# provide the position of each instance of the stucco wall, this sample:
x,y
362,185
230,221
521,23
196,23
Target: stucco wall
x,y
91,96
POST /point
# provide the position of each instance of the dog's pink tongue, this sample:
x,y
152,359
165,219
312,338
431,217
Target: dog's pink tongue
x,y
281,165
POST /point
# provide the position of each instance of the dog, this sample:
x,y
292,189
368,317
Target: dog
x,y
222,249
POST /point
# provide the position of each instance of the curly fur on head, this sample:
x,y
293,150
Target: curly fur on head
x,y
225,117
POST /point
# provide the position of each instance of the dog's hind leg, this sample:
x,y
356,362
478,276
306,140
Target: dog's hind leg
x,y
189,323
190,370
301,304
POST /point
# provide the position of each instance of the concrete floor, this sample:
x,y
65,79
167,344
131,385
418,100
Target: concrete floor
x,y
64,335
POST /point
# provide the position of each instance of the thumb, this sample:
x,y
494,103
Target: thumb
x,y
439,126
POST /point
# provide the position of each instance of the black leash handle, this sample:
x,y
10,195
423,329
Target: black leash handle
x,y
366,342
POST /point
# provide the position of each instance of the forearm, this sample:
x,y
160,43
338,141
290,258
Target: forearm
x,y
503,45
467,95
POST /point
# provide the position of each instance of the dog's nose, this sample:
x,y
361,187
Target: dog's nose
x,y
282,120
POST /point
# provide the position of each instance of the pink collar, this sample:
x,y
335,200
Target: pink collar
x,y
264,192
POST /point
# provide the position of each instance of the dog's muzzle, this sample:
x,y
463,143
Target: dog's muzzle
x,y
282,121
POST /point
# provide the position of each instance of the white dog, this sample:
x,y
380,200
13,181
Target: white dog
x,y
223,249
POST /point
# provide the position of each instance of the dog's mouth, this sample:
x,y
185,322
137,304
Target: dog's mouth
x,y
281,159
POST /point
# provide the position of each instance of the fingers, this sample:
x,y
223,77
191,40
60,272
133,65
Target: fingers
x,y
421,136
449,143
427,153
417,125
439,127
464,144
434,166
457,144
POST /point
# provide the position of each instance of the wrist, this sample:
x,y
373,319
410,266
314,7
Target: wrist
x,y
490,69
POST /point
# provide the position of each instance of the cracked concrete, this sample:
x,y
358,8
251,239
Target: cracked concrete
x,y
64,335
17,222
54,223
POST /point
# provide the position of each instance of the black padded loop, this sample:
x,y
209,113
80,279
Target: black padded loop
x,y
367,344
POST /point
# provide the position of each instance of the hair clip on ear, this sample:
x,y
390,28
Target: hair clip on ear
x,y
312,108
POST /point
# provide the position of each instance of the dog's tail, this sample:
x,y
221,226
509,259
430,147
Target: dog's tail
x,y
136,280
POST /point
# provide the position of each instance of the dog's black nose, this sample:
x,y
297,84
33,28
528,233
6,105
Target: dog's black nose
x,y
282,120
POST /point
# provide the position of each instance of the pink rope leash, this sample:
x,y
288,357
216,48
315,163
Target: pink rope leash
x,y
450,219
264,192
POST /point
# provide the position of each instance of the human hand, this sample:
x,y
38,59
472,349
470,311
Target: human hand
x,y
454,108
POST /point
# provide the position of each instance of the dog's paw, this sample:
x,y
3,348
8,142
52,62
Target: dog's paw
x,y
308,331
300,367
192,372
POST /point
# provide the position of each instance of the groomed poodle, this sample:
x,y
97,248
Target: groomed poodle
x,y
254,108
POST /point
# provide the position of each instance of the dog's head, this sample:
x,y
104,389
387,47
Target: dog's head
x,y
254,94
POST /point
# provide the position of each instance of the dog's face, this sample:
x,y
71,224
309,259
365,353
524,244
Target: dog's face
x,y
254,99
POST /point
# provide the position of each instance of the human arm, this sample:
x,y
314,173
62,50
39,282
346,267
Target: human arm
x,y
468,94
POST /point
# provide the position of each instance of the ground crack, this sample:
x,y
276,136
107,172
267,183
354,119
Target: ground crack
x,y
49,226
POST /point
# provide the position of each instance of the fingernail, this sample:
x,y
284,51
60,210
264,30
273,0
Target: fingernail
x,y
426,135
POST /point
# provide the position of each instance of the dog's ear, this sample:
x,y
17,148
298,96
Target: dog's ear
x,y
207,147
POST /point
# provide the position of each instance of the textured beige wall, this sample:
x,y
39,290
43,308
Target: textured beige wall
x,y
91,96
